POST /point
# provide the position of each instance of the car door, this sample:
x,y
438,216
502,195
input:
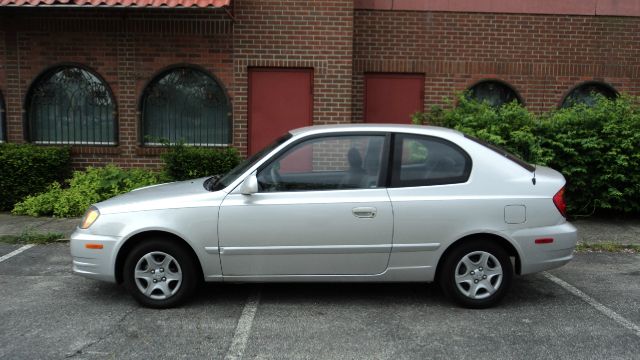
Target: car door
x,y
431,197
321,209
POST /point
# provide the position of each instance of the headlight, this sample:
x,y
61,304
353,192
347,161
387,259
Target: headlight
x,y
89,217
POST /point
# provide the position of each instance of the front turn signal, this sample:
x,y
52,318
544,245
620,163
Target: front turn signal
x,y
89,217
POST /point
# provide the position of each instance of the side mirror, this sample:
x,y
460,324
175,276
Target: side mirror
x,y
249,185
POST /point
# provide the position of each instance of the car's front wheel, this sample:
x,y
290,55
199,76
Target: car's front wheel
x,y
160,273
476,274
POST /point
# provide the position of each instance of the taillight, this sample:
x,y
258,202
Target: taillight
x,y
558,201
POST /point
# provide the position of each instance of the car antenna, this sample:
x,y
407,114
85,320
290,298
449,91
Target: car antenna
x,y
533,180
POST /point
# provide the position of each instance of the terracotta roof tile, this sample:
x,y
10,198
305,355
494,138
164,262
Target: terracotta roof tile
x,y
120,3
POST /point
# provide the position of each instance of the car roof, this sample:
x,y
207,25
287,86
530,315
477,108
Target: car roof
x,y
415,129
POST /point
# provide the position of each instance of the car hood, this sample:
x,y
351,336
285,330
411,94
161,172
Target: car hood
x,y
190,193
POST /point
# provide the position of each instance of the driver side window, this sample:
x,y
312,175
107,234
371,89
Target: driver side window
x,y
326,163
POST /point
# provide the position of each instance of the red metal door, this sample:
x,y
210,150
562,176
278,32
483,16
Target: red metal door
x,y
279,100
392,98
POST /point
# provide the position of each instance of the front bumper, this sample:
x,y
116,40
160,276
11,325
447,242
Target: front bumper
x,y
96,264
540,257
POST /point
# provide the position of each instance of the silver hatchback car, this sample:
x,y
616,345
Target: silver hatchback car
x,y
338,203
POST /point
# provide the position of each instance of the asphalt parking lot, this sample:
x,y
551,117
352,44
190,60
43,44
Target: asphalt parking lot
x,y
589,309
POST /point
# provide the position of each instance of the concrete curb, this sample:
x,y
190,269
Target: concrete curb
x,y
16,225
625,232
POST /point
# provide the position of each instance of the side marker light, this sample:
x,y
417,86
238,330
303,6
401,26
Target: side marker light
x,y
544,241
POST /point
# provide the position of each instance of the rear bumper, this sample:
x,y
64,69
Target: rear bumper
x,y
93,263
539,257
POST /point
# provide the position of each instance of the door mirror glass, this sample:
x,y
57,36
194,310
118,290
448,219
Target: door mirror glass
x,y
249,185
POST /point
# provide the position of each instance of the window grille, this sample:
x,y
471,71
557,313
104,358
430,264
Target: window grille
x,y
70,105
493,92
185,105
587,94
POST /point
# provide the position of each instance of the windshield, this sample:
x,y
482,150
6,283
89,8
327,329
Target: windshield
x,y
232,175
504,153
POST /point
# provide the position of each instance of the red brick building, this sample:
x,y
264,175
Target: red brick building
x,y
114,77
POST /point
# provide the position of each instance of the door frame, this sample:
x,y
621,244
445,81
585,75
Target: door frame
x,y
389,75
385,164
252,69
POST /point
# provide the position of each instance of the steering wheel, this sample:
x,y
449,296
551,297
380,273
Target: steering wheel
x,y
274,175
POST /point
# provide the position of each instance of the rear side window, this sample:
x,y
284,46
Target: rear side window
x,y
504,153
425,160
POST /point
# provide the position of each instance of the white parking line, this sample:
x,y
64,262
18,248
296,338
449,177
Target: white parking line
x,y
16,252
593,302
243,329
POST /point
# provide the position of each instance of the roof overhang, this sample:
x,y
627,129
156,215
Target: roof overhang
x,y
118,3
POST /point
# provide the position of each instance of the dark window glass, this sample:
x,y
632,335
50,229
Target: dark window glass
x,y
327,163
587,93
423,160
70,105
494,93
3,123
186,105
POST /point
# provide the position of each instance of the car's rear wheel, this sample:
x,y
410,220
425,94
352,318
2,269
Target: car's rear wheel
x,y
476,274
160,273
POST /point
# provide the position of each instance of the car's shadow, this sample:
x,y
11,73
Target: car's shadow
x,y
300,293
525,290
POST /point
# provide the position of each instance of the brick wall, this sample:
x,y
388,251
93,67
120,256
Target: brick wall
x,y
126,47
3,81
299,34
541,56
3,49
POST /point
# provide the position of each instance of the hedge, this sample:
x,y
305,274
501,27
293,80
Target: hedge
x,y
84,188
596,148
67,198
186,162
28,169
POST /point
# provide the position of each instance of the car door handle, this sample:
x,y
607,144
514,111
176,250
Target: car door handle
x,y
364,212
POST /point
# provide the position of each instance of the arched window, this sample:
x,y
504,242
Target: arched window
x,y
496,93
586,94
3,122
71,105
185,105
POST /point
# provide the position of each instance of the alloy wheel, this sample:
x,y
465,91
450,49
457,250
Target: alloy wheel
x,y
158,275
478,275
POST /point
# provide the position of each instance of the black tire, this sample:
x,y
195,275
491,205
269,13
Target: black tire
x,y
183,263
483,298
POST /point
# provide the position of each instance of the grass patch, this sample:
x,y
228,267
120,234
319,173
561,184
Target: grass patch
x,y
608,247
29,237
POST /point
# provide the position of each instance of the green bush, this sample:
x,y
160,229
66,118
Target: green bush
x,y
596,148
186,162
85,188
510,126
27,169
